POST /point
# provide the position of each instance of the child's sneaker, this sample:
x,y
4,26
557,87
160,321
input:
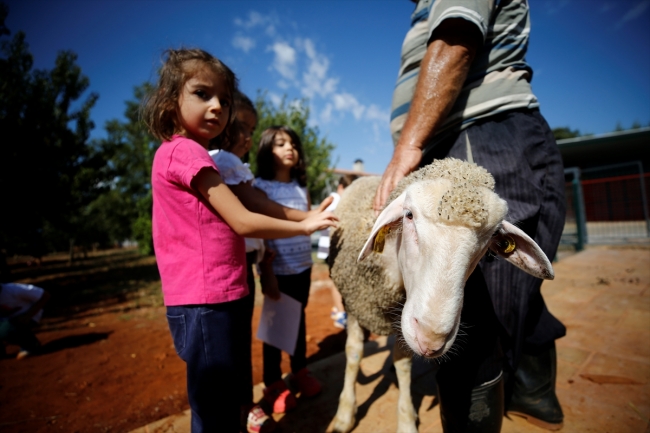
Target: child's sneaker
x,y
279,397
259,422
340,318
23,354
308,385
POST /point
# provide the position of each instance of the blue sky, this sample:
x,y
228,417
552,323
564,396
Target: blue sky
x,y
591,57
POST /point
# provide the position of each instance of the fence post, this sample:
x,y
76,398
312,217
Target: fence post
x,y
579,206
644,203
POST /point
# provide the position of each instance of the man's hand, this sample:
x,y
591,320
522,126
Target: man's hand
x,y
405,160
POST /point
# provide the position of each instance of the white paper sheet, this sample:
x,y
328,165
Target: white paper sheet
x,y
279,323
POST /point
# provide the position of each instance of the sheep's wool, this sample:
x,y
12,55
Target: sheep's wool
x,y
462,203
364,287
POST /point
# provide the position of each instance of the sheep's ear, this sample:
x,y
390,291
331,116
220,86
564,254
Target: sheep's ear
x,y
519,249
386,219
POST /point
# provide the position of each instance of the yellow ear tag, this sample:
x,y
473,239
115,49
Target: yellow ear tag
x,y
509,246
380,239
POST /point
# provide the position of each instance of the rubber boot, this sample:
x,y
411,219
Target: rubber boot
x,y
533,394
485,414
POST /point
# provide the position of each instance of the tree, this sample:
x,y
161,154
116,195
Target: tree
x,y
565,132
317,149
48,173
129,150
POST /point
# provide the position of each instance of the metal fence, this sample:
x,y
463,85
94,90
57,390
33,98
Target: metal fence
x,y
607,205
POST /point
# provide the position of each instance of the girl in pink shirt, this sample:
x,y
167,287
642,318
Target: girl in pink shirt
x,y
198,228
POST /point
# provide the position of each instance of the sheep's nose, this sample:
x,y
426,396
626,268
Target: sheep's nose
x,y
429,347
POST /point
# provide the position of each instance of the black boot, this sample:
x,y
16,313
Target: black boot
x,y
485,410
533,394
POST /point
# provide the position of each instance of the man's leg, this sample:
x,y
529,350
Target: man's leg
x,y
470,383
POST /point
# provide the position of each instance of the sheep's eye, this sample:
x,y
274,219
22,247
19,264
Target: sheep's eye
x,y
408,214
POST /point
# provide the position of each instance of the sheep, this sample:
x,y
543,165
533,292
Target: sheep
x,y
448,207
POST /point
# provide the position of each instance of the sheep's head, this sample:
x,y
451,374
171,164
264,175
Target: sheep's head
x,y
431,238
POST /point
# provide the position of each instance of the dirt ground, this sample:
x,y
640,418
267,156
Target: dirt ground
x,y
108,363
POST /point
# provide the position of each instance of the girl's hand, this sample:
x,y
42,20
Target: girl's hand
x,y
268,257
322,206
319,221
269,282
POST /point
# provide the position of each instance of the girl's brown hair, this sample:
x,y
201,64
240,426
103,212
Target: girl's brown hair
x,y
265,163
229,137
160,107
243,103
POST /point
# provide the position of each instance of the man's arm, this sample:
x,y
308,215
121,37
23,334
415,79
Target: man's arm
x,y
443,71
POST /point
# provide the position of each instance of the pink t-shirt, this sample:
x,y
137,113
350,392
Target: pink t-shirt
x,y
201,260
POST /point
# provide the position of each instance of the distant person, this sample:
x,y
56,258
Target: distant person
x,y
21,309
282,175
198,228
338,314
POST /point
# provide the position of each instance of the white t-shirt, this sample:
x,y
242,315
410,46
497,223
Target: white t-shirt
x,y
293,254
16,298
324,240
233,172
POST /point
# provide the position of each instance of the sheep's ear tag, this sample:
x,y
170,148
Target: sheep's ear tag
x,y
507,244
380,239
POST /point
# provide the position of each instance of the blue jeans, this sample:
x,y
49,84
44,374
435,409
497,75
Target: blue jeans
x,y
212,340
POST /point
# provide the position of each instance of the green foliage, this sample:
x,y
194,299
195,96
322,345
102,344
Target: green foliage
x,y
48,173
142,229
129,149
635,125
565,132
318,150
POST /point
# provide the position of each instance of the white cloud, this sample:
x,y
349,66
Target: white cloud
x,y
302,67
373,112
284,61
315,80
275,98
243,43
347,102
633,13
254,19
326,113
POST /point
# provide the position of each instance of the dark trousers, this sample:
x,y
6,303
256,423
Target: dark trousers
x,y
478,356
503,311
211,339
249,300
296,286
19,334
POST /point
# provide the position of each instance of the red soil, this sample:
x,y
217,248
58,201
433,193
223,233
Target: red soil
x,y
113,368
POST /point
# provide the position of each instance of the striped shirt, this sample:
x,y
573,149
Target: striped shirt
x,y
499,77
293,254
